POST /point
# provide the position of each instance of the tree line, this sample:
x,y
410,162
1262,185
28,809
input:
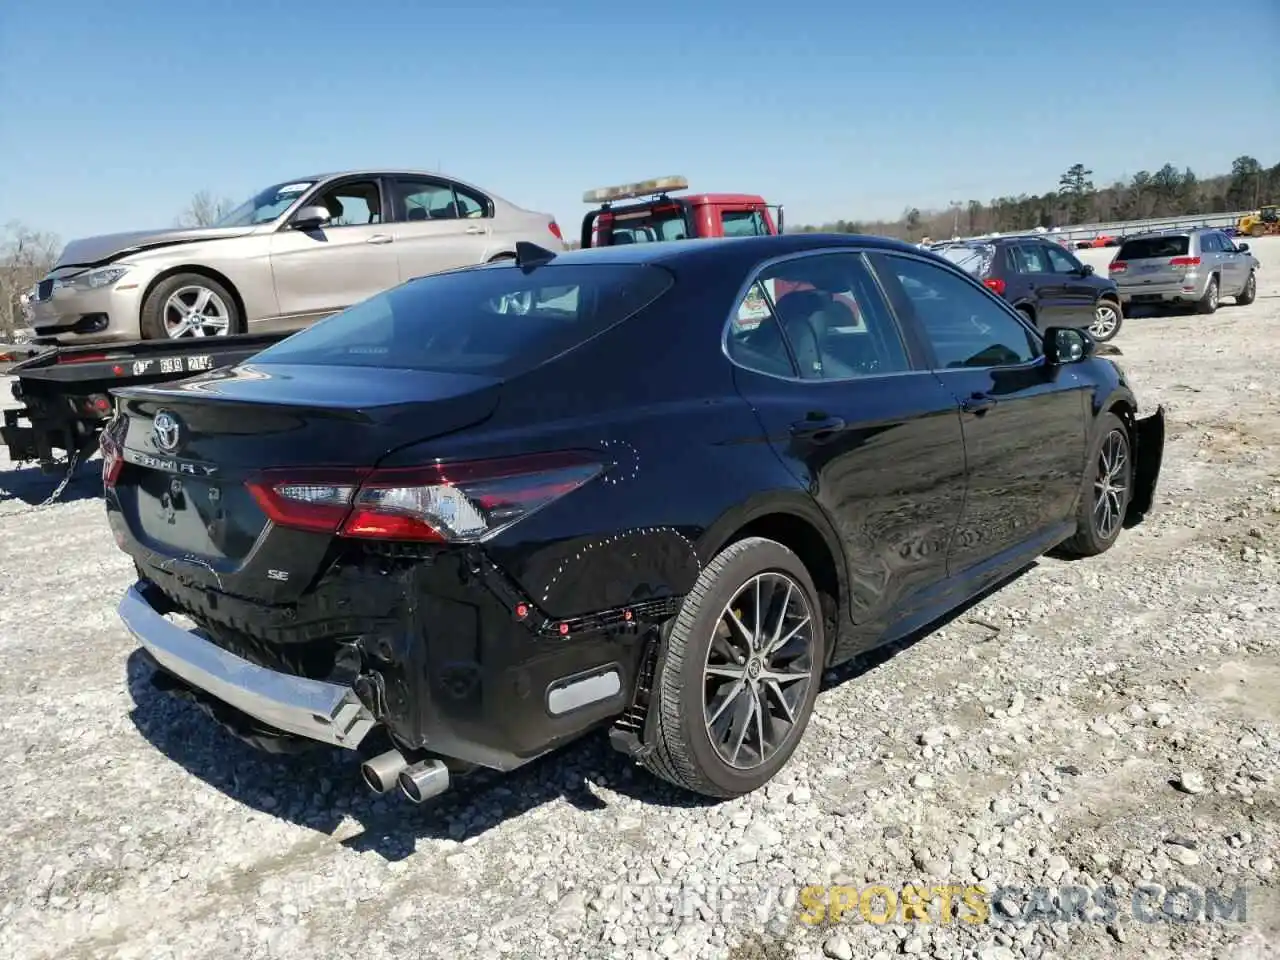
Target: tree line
x,y
1168,192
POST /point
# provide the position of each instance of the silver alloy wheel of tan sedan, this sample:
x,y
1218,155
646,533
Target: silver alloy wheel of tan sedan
x,y
196,311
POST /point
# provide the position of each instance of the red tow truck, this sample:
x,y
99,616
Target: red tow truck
x,y
658,216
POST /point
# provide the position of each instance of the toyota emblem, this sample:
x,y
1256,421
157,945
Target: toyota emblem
x,y
167,430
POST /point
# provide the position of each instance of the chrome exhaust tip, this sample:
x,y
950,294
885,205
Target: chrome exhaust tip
x,y
380,773
423,780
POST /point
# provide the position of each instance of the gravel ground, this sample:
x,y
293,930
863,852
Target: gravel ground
x,y
1108,724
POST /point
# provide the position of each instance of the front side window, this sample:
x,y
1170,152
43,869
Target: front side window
x,y
351,204
742,223
494,321
1060,261
965,326
817,317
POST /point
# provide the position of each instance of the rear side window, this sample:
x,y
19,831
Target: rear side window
x,y
495,321
1029,258
1154,248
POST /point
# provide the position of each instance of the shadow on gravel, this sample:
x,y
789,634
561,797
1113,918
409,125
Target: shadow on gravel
x,y
866,662
322,787
29,485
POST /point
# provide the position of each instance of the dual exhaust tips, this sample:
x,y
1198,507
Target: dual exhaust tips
x,y
418,781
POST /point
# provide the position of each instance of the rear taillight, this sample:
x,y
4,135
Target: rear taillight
x,y
1185,262
555,230
1118,266
443,503
994,283
112,459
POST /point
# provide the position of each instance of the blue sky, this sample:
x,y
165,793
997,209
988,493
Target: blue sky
x,y
116,113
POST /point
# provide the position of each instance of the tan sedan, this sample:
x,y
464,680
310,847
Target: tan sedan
x,y
294,253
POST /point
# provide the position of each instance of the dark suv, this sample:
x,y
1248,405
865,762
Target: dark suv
x,y
1043,280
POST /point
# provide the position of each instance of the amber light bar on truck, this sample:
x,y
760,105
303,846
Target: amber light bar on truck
x,y
442,503
627,191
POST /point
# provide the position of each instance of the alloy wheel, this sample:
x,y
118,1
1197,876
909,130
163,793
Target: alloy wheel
x,y
758,670
1213,294
1104,321
195,311
1111,486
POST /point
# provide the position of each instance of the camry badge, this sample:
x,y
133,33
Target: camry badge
x,y
167,430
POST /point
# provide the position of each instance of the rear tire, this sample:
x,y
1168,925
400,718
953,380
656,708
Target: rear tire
x,y
1250,292
1209,302
189,305
716,684
1107,477
1107,321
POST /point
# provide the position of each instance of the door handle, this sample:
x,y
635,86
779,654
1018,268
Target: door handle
x,y
379,238
977,403
817,429
475,230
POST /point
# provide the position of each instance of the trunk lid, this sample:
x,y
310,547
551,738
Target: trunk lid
x,y
180,502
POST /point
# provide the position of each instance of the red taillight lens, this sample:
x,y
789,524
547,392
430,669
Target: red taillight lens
x,y
444,503
1185,262
555,230
112,459
315,500
994,283
1118,266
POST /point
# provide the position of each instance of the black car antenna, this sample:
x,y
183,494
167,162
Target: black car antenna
x,y
530,255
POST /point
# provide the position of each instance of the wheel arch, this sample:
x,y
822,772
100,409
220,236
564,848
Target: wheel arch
x,y
200,270
796,522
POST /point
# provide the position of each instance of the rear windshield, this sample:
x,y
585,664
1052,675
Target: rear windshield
x,y
645,226
1150,248
975,258
496,321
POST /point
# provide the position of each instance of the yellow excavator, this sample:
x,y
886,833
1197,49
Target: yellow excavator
x,y
1265,222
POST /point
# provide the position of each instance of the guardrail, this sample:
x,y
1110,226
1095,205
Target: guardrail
x,y
1118,228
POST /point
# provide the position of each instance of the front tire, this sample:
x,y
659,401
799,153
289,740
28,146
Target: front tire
x,y
1250,292
744,661
189,305
1107,320
1106,491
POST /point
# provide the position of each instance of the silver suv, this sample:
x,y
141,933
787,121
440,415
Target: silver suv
x,y
293,253
1184,267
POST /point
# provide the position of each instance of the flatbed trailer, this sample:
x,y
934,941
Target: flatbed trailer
x,y
64,391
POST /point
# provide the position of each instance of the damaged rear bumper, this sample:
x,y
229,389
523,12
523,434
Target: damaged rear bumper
x,y
1148,454
324,712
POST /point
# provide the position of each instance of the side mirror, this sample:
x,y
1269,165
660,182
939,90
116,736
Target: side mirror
x,y
1242,248
1086,269
309,218
1067,345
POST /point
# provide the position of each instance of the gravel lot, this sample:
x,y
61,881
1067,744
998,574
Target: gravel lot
x,y
1110,721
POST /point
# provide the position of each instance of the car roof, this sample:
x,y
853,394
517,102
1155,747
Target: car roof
x,y
679,252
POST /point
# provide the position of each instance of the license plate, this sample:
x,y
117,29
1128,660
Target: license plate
x,y
1150,267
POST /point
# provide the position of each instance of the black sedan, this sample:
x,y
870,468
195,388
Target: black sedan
x,y
656,488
